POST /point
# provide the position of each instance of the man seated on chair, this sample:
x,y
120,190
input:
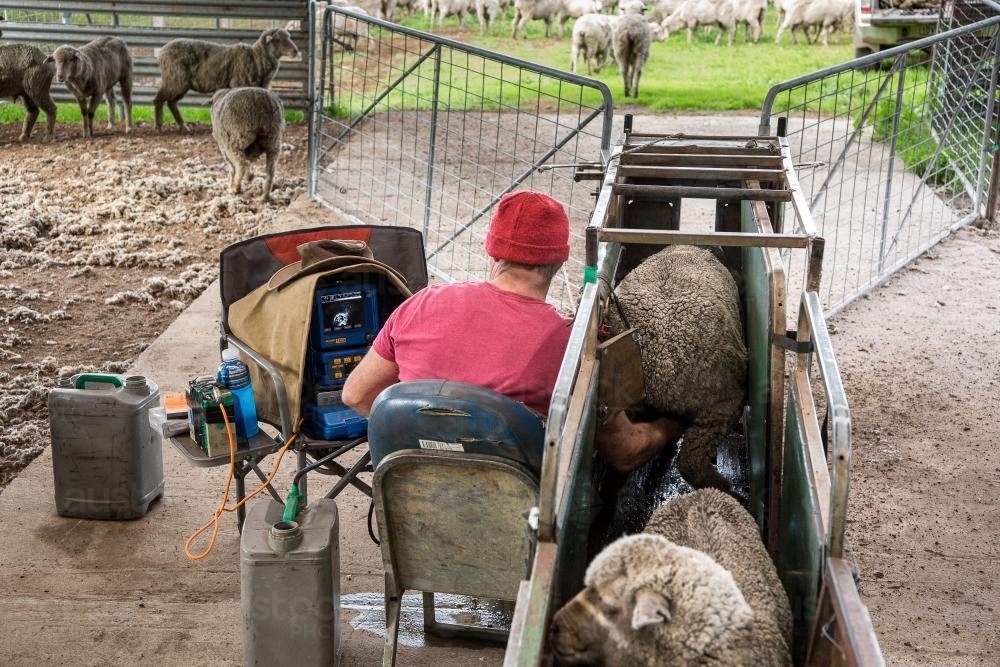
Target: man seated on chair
x,y
499,333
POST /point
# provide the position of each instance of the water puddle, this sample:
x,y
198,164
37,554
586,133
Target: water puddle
x,y
448,609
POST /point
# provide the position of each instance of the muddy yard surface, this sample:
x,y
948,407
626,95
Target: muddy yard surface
x,y
103,243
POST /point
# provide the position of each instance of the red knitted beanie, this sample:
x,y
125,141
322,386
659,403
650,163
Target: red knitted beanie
x,y
529,228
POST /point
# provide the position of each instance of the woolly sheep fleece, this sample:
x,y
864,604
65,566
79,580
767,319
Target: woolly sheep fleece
x,y
685,306
696,588
205,67
248,123
25,74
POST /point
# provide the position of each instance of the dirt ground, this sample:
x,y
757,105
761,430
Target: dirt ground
x,y
105,242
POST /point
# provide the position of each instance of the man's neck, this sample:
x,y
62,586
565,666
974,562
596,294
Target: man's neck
x,y
522,281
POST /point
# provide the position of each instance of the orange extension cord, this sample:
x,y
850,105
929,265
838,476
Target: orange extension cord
x,y
214,521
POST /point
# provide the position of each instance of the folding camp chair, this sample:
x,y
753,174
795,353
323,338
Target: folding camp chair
x,y
456,477
279,364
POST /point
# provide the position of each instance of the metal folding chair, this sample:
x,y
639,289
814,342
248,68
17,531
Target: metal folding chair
x,y
456,478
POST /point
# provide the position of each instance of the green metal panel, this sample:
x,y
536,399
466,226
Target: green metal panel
x,y
758,326
800,556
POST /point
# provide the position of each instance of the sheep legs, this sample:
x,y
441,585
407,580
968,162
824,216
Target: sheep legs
x,y
272,163
701,441
49,107
126,89
175,111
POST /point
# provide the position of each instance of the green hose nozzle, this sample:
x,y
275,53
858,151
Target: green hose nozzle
x,y
292,502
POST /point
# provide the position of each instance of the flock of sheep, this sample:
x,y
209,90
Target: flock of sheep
x,y
247,119
623,29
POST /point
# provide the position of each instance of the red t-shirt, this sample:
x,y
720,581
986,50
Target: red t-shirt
x,y
478,334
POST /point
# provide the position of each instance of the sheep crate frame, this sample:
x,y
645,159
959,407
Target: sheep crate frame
x,y
797,496
146,25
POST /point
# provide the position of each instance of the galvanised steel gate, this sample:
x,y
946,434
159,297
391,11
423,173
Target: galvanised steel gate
x,y
413,129
894,151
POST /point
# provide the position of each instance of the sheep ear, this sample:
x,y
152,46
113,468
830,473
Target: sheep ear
x,y
651,608
50,58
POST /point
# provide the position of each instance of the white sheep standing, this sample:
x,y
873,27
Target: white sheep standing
x,y
574,9
205,67
751,13
697,587
685,305
25,74
631,6
246,123
693,14
549,11
444,8
591,41
824,15
347,31
631,40
91,73
662,9
487,11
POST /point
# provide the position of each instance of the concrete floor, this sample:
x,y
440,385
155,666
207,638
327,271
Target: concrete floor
x,y
87,592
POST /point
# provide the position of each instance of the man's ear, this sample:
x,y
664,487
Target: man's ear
x,y
650,608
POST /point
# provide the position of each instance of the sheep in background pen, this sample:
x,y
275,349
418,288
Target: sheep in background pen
x,y
751,14
246,123
25,74
591,41
347,31
574,9
487,11
631,6
631,39
205,67
549,11
692,14
697,587
91,73
442,9
662,9
824,15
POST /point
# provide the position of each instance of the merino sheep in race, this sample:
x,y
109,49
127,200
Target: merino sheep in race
x,y
823,15
487,11
697,587
685,305
630,42
91,73
246,123
25,74
205,67
591,41
693,14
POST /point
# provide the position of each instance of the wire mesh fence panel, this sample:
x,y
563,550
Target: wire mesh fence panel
x,y
892,151
417,130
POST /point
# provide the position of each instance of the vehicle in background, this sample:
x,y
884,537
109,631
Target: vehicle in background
x,y
882,24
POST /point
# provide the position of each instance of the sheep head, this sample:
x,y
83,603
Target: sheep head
x,y
649,602
70,63
279,43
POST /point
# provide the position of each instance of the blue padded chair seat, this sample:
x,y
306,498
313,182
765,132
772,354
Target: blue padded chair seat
x,y
443,415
